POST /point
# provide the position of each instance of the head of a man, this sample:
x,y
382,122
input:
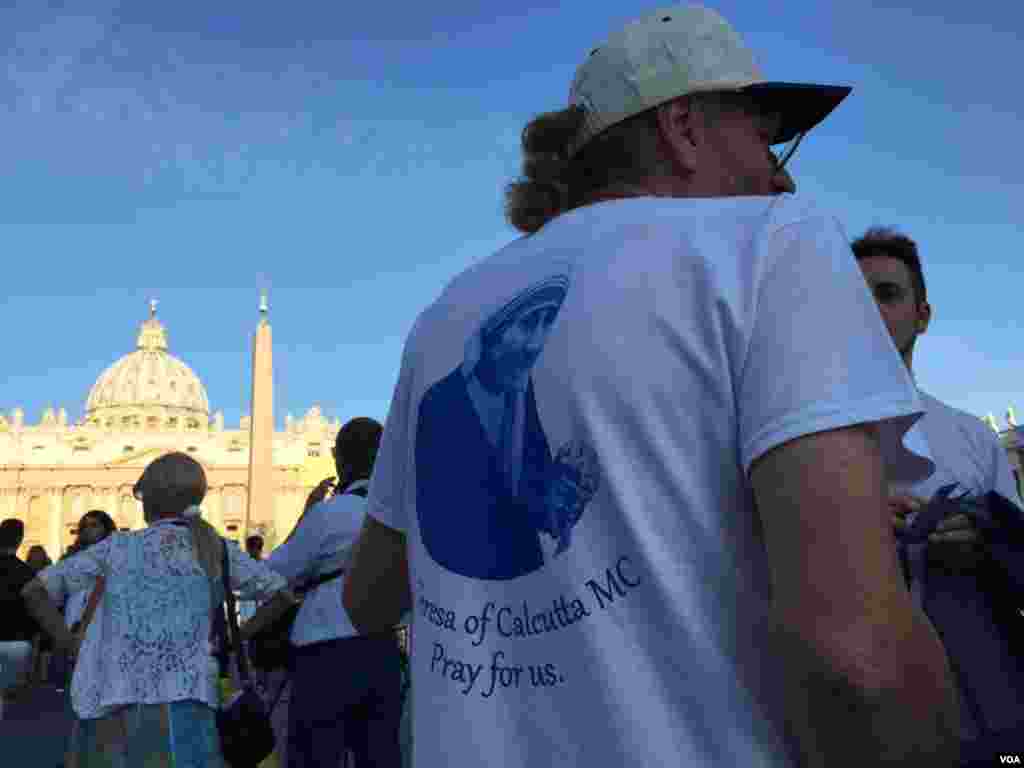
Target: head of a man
x,y
714,144
513,338
254,546
672,105
94,527
12,533
355,448
169,485
892,268
37,559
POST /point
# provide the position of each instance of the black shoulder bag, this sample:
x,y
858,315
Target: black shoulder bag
x,y
269,648
246,735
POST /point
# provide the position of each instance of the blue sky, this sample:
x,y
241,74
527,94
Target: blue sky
x,y
350,159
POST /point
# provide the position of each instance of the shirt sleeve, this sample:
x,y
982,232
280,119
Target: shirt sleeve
x,y
77,573
386,499
296,556
252,579
818,356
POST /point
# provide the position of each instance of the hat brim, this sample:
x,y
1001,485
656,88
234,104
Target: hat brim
x,y
800,106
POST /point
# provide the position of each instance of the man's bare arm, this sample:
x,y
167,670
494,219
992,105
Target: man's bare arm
x,y
376,590
868,682
267,613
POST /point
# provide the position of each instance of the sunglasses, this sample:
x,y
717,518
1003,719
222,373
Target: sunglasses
x,y
784,156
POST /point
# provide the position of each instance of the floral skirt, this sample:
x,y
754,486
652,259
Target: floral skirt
x,y
178,735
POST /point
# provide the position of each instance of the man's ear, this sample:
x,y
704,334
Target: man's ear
x,y
924,316
679,131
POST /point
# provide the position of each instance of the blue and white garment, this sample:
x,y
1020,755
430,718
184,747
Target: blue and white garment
x,y
604,386
149,640
322,543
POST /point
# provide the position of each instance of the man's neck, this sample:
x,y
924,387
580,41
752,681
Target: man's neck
x,y
654,186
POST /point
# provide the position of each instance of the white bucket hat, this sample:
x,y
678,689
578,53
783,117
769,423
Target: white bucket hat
x,y
680,50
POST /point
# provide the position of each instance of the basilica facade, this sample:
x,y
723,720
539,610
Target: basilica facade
x,y
150,402
147,403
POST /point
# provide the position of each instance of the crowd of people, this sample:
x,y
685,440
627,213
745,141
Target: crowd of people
x,y
147,680
681,409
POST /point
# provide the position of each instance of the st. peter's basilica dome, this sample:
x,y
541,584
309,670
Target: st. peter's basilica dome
x,y
148,388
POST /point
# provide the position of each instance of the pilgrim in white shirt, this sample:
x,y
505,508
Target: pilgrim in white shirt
x,y
322,542
694,337
149,640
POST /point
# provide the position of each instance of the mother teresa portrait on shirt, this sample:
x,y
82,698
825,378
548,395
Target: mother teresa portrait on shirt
x,y
484,468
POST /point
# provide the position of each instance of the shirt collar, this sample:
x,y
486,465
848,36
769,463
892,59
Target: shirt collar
x,y
180,521
364,483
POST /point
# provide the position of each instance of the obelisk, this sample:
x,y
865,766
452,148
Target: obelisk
x,y
261,427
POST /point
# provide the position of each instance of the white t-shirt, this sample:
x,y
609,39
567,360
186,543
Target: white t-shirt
x,y
322,542
965,451
681,340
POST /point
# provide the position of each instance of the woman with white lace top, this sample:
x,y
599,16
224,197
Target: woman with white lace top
x,y
146,686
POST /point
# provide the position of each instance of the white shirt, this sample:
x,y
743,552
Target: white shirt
x,y
966,451
322,542
694,336
149,640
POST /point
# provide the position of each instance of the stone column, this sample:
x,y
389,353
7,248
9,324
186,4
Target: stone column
x,y
21,500
112,505
56,535
139,515
212,509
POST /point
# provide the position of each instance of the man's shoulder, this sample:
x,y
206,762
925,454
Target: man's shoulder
x,y
772,211
938,412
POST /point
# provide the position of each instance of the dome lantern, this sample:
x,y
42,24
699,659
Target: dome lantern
x,y
152,335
